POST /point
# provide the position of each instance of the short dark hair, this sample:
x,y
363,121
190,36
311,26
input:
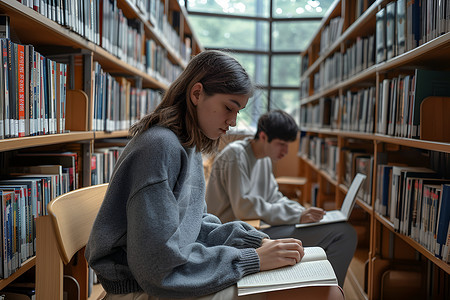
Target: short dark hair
x,y
277,124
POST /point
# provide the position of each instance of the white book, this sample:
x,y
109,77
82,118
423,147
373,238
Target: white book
x,y
341,215
313,270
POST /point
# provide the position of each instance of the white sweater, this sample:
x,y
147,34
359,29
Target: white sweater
x,y
242,187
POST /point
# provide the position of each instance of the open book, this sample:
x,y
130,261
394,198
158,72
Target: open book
x,y
313,270
341,215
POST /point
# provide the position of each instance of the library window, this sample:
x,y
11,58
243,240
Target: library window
x,y
267,37
300,8
292,35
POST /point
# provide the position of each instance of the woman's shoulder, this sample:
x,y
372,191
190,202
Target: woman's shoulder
x,y
161,136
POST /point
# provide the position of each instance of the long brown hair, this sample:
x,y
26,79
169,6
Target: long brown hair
x,y
219,73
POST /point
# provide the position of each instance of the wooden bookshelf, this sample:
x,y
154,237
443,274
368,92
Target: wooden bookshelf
x,y
59,42
388,247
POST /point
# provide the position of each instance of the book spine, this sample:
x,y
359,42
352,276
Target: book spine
x,y
21,89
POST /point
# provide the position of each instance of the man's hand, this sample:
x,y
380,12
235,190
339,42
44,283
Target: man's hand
x,y
312,214
279,253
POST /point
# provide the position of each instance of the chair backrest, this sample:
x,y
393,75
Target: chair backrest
x,y
73,215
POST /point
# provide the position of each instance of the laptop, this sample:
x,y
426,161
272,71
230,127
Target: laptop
x,y
343,214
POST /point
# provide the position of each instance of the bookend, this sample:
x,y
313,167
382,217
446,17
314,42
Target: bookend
x,y
434,121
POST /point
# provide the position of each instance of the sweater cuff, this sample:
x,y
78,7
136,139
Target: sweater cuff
x,y
249,261
254,238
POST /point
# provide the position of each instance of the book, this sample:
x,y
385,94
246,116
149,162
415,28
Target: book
x,y
342,214
313,270
380,36
443,221
401,26
390,29
4,27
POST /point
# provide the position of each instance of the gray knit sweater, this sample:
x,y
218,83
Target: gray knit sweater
x,y
152,232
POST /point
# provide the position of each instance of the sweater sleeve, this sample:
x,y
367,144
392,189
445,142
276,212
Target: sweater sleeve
x,y
235,234
166,263
249,202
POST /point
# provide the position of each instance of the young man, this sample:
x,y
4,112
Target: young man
x,y
242,186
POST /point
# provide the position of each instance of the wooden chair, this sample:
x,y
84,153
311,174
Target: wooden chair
x,y
62,234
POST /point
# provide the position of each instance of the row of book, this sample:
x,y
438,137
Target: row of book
x,y
169,33
122,37
158,64
323,152
404,25
103,161
79,16
341,65
352,111
117,105
103,23
358,161
400,99
417,202
398,105
356,110
29,183
32,92
330,33
400,27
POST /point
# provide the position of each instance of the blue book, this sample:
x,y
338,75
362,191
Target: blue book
x,y
443,220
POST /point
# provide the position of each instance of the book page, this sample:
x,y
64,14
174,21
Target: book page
x,y
313,253
318,272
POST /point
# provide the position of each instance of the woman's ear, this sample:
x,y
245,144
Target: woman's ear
x,y
196,92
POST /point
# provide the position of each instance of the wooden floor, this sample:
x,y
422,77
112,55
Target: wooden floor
x,y
353,285
350,292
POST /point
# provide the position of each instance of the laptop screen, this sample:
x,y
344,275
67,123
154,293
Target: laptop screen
x,y
349,199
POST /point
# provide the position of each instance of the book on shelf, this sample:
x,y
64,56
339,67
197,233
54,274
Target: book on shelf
x,y
443,222
382,204
390,29
401,27
313,270
399,175
4,27
380,36
342,214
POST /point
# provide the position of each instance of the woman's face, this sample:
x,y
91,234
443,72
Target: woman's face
x,y
217,113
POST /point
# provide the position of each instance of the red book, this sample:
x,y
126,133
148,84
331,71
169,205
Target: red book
x,y
21,88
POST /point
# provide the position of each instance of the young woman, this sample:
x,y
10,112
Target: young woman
x,y
152,237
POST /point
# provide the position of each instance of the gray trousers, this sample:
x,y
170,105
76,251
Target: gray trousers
x,y
337,239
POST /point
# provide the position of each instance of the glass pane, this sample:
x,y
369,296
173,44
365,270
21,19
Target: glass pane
x,y
286,70
252,8
287,100
255,65
247,119
300,8
293,36
231,33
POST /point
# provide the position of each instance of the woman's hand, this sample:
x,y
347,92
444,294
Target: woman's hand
x,y
312,214
279,253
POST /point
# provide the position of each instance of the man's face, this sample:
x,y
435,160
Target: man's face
x,y
276,149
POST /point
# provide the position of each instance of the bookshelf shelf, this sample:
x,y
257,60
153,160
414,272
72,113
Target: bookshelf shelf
x,y
28,264
109,135
430,256
95,61
42,140
347,116
380,138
